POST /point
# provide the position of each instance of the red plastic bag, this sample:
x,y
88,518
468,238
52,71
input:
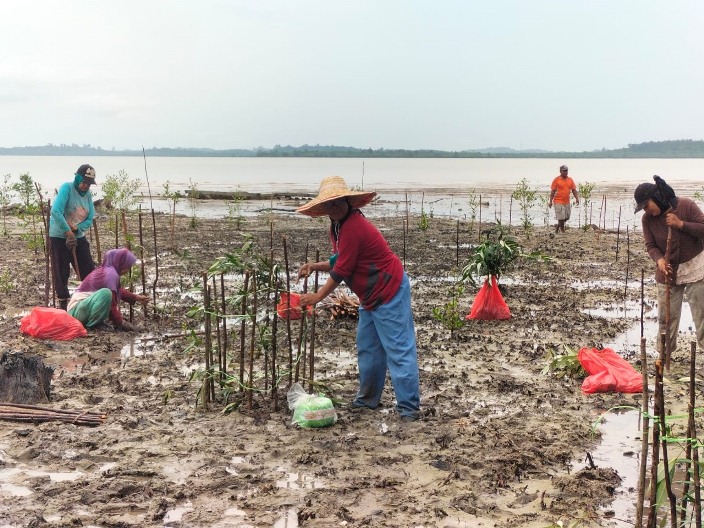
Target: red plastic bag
x,y
489,304
295,312
51,323
608,372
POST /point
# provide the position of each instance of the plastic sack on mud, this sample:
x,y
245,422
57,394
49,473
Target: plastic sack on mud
x,y
310,410
608,372
295,311
489,304
51,323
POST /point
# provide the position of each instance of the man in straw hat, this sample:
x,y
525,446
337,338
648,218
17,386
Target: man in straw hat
x,y
684,221
363,259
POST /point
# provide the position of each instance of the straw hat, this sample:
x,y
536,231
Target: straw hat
x,y
332,188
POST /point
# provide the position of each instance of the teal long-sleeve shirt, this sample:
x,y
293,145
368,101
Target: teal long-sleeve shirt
x,y
70,206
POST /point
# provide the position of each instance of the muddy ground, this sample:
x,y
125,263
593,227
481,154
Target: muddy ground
x,y
500,444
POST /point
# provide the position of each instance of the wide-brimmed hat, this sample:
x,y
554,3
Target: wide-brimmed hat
x,y
642,194
332,188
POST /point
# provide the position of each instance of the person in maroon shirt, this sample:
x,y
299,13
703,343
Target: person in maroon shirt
x,y
364,261
678,221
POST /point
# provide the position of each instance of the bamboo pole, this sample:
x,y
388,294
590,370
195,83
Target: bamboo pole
x,y
223,366
457,244
208,389
691,438
301,352
644,436
218,335
618,232
156,262
288,319
253,341
663,439
311,375
243,327
97,241
141,259
668,291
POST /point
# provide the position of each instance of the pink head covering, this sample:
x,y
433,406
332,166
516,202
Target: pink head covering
x,y
107,275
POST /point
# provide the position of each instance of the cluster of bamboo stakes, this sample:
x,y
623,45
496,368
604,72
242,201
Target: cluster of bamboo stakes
x,y
16,412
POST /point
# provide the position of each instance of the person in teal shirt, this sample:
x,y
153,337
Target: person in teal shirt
x,y
71,218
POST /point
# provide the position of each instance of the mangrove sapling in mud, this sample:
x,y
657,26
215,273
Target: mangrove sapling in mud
x,y
234,210
173,198
564,364
29,212
585,194
496,256
6,193
449,314
120,191
193,196
526,198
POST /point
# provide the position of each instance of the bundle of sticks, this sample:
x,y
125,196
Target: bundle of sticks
x,y
16,412
341,304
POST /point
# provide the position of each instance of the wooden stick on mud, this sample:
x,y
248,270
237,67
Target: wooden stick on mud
x,y
655,449
218,335
644,436
479,225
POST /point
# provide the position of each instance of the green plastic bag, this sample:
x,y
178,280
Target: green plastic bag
x,y
310,410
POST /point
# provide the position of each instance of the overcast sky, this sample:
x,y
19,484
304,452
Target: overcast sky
x,y
442,74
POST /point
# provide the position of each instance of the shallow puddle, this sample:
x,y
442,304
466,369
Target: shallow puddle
x,y
620,449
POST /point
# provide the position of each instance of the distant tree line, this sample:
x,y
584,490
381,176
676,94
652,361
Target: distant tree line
x,y
681,148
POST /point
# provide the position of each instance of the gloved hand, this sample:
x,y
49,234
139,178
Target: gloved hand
x,y
71,241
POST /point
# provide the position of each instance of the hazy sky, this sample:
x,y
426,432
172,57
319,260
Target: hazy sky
x,y
441,74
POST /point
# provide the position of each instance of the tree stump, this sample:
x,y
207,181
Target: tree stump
x,y
24,379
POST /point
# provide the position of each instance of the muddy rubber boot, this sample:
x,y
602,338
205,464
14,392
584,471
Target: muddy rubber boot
x,y
63,304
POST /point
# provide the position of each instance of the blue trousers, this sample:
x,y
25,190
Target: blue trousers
x,y
386,339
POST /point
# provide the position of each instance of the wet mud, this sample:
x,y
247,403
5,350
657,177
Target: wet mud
x,y
500,444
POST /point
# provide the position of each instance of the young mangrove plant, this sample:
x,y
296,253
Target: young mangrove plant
x,y
6,193
585,194
526,198
564,364
173,197
120,191
496,256
449,314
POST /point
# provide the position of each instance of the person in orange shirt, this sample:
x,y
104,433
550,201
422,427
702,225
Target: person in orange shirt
x,y
560,195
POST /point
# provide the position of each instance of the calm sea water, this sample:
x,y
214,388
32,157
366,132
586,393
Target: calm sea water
x,y
438,186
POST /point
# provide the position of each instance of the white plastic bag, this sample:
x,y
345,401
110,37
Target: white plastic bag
x,y
310,410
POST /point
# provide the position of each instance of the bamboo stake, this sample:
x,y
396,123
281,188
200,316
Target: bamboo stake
x,y
301,352
663,439
655,455
156,262
479,225
288,319
253,341
274,350
311,375
405,231
217,328
628,263
117,230
618,232
97,241
141,258
688,469
644,436
208,358
243,327
223,366
668,288
457,244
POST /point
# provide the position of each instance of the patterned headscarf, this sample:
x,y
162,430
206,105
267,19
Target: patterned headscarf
x,y
107,275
